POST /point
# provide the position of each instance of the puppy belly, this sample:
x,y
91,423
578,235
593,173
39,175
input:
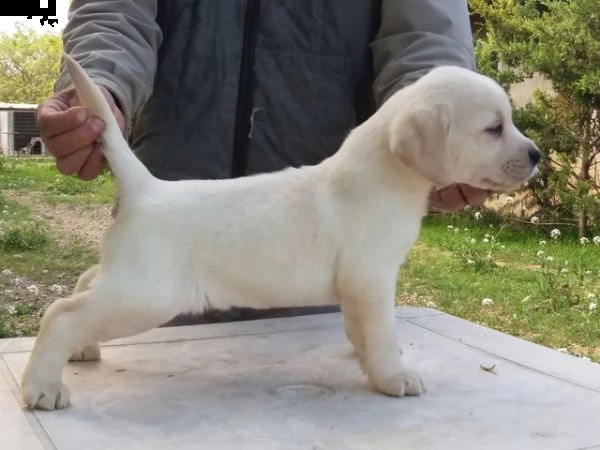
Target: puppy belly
x,y
225,297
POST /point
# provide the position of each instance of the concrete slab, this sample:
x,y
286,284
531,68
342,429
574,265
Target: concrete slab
x,y
291,383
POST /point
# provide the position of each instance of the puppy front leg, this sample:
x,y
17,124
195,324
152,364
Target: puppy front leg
x,y
354,332
369,307
383,360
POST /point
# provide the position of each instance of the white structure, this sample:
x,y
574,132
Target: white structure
x,y
19,133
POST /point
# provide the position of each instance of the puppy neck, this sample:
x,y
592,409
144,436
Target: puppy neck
x,y
365,159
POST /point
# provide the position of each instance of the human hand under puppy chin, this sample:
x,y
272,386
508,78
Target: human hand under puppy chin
x,y
457,197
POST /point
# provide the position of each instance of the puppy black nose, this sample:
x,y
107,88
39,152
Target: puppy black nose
x,y
534,155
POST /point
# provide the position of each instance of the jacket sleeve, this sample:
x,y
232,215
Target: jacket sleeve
x,y
415,36
117,42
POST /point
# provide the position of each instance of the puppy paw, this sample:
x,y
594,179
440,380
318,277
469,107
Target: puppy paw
x,y
45,394
89,353
399,383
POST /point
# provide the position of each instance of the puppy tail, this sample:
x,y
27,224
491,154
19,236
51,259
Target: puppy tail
x,y
132,175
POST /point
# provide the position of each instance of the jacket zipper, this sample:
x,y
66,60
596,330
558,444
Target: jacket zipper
x,y
241,138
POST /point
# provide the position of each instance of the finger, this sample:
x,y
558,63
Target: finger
x,y
452,200
448,199
53,122
61,101
81,137
73,163
56,115
473,196
94,164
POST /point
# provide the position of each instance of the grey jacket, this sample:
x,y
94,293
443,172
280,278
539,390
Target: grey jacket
x,y
222,88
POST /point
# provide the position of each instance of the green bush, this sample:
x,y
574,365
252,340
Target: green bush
x,y
25,236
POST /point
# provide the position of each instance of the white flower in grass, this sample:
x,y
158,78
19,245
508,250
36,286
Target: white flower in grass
x,y
450,227
470,262
588,272
564,270
596,240
487,302
12,310
592,306
584,241
472,241
543,242
535,220
555,233
540,253
456,230
510,200
526,299
57,289
549,258
33,289
478,215
485,240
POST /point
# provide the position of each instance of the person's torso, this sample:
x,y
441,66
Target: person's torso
x,y
248,86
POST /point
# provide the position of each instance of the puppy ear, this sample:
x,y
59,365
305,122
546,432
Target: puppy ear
x,y
420,140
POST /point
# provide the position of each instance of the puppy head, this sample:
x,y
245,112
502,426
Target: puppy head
x,y
455,126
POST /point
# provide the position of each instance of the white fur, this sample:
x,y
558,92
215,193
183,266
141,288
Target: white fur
x,y
333,233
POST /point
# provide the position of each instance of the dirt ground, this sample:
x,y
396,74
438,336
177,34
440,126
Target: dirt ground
x,y
86,223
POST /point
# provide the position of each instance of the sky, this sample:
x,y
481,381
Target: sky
x,y
7,24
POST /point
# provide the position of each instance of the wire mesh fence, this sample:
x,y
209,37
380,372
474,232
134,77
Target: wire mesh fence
x,y
19,133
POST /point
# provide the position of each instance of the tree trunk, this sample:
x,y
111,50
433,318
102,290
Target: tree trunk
x,y
582,223
584,176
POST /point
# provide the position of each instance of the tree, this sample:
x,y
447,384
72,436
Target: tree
x,y
559,40
29,65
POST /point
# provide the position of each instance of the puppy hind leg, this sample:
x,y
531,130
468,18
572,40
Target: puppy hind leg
x,y
92,351
71,324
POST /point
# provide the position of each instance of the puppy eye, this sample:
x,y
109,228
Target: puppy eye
x,y
496,130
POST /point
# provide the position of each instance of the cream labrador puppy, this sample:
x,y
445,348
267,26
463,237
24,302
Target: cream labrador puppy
x,y
335,233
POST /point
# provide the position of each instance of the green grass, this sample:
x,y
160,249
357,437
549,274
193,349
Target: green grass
x,y
40,174
37,266
550,302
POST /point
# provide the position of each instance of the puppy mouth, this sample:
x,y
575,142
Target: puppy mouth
x,y
534,174
496,186
491,185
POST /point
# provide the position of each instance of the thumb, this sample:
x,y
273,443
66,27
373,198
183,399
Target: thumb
x,y
76,101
